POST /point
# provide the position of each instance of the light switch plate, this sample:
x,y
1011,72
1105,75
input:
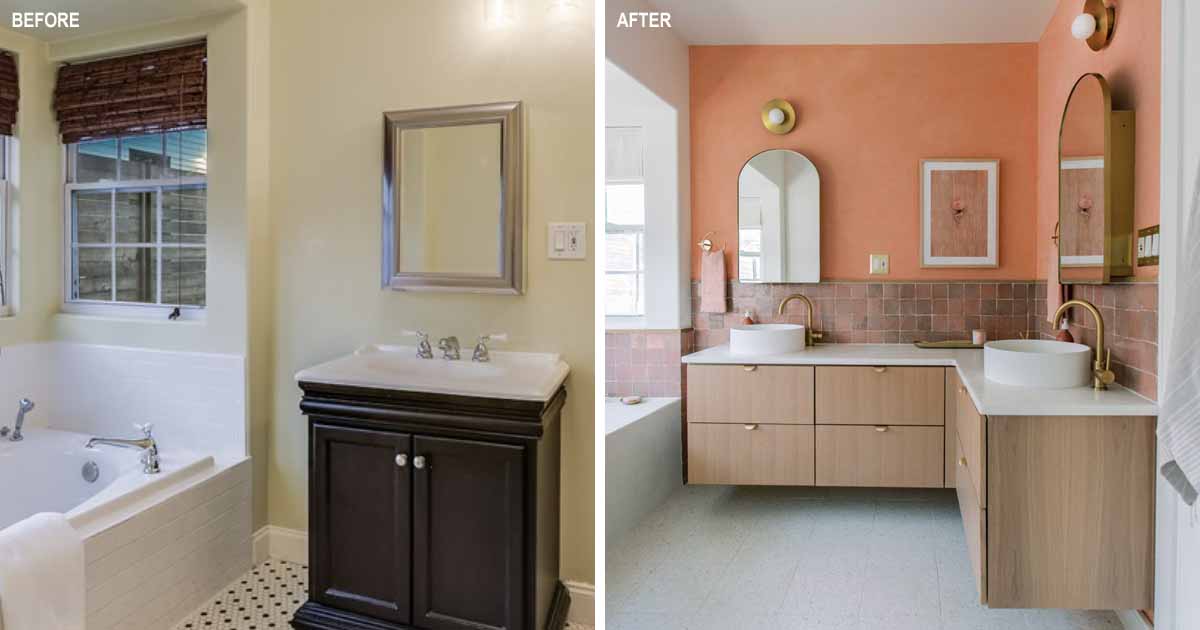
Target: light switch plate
x,y
567,241
880,265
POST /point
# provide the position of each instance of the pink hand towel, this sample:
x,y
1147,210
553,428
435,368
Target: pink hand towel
x,y
712,281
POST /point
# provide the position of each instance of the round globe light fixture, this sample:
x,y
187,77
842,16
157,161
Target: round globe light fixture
x,y
778,116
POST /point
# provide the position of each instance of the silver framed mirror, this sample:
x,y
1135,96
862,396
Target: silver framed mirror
x,y
453,199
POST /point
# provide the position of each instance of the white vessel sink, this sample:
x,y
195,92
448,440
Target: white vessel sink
x,y
764,339
1037,364
509,375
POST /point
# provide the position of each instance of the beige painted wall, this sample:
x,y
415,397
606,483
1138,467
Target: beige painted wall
x,y
333,73
36,198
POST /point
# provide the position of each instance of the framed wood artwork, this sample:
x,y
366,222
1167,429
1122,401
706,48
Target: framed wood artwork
x,y
960,213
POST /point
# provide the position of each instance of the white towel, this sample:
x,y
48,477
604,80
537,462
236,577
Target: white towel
x,y
1179,420
41,575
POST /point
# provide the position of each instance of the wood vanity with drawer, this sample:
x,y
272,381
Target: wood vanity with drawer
x,y
817,425
1058,509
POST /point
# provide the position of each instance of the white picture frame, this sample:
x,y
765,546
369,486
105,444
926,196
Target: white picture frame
x,y
992,169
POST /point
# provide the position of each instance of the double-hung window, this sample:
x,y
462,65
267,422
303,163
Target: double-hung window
x,y
625,223
137,219
6,224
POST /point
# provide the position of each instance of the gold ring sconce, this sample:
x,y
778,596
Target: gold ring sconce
x,y
1095,24
778,116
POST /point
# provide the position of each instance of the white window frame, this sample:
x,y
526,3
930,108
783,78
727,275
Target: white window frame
x,y
6,228
639,266
112,308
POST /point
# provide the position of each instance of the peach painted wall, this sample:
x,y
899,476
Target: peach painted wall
x,y
1132,66
867,116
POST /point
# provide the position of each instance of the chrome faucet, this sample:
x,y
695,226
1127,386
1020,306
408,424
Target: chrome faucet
x,y
147,445
481,353
1102,377
23,407
449,348
810,336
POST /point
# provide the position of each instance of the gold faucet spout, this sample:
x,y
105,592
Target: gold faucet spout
x,y
810,335
1101,375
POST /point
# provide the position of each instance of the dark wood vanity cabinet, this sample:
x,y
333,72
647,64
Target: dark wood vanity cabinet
x,y
431,512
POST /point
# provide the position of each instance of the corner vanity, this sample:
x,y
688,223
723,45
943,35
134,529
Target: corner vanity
x,y
433,492
1055,486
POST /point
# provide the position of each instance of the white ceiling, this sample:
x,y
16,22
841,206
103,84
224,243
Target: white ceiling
x,y
857,21
105,16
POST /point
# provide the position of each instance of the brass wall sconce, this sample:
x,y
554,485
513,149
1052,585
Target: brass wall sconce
x,y
1095,24
778,116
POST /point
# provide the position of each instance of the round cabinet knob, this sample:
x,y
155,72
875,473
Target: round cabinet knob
x,y
402,460
419,461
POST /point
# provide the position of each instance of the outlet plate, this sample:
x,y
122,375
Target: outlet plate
x,y
567,241
880,265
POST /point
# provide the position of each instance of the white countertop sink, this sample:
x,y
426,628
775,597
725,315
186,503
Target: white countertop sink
x,y
1037,363
751,340
509,375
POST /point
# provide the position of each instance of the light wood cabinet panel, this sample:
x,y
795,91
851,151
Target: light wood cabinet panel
x,y
974,520
751,393
972,433
749,454
880,395
952,385
1070,512
884,456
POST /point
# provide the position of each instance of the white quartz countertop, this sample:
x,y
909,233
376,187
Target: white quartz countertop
x,y
990,398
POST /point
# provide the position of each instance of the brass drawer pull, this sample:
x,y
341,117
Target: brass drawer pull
x,y
962,390
750,427
749,368
880,369
962,461
881,429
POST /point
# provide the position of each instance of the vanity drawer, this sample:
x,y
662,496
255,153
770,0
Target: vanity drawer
x,y
974,519
882,456
972,432
750,454
780,394
880,395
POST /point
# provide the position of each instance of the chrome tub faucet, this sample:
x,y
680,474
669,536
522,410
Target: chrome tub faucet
x,y
148,446
24,407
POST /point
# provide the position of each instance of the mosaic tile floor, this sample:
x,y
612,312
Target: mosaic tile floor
x,y
264,598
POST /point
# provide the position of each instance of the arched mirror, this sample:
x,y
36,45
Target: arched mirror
x,y
1095,183
779,219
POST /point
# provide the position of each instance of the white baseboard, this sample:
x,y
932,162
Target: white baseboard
x,y
1133,620
289,545
583,603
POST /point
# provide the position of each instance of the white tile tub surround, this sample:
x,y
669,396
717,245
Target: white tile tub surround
x,y
642,460
164,556
196,401
25,373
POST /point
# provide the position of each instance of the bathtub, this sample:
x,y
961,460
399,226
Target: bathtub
x,y
643,460
155,546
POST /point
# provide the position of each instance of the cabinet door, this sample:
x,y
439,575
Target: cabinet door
x,y
469,513
360,501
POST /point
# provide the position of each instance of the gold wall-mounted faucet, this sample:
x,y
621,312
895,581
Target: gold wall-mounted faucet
x,y
810,336
1102,377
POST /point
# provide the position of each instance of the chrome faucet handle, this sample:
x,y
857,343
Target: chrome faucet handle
x,y
147,429
481,353
450,348
424,350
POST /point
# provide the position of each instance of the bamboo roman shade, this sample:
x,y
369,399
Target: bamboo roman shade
x,y
9,93
161,90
